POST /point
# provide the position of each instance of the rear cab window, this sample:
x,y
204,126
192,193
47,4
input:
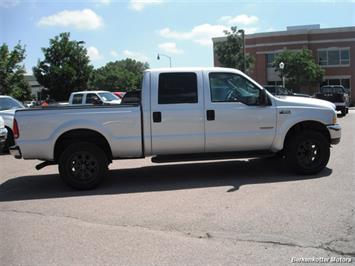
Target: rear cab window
x,y
77,98
177,88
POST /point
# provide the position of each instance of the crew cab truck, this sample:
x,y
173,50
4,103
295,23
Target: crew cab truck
x,y
185,114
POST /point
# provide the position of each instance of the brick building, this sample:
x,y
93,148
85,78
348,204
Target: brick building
x,y
333,48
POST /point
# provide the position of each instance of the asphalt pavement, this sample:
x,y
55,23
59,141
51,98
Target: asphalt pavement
x,y
235,212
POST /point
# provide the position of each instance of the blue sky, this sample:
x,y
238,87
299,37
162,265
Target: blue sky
x,y
114,30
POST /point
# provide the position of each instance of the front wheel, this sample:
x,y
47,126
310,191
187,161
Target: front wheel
x,y
83,165
308,152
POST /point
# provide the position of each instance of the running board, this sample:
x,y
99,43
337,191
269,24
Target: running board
x,y
210,156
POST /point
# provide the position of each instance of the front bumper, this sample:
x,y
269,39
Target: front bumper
x,y
3,134
335,133
3,137
16,152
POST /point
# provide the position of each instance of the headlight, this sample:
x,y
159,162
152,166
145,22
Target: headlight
x,y
334,118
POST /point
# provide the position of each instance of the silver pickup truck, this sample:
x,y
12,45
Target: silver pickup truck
x,y
185,114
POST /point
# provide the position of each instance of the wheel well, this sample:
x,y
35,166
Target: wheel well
x,y
10,134
307,125
84,135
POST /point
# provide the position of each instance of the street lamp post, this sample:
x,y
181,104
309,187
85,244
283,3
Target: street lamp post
x,y
243,39
158,58
282,66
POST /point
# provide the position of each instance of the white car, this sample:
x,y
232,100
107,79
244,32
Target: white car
x,y
93,97
184,114
8,106
3,134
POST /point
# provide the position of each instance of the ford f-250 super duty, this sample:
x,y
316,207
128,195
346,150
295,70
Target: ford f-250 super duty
x,y
184,114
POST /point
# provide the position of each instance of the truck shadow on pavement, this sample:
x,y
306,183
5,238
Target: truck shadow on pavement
x,y
229,174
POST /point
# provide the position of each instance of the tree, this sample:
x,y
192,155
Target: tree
x,y
123,75
300,68
65,68
12,80
230,52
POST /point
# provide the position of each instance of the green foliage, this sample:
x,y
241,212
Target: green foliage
x,y
12,81
230,52
65,68
300,68
123,75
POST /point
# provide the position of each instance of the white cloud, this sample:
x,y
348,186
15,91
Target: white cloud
x,y
170,47
94,53
201,34
114,53
139,5
242,19
135,55
85,19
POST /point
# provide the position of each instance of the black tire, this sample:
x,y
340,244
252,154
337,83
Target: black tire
x,y
343,112
307,152
83,165
347,110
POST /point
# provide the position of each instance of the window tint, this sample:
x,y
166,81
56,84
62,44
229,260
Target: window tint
x,y
8,103
77,99
91,98
228,87
175,88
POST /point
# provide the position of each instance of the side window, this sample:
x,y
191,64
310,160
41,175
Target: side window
x,y
91,98
229,87
77,99
175,88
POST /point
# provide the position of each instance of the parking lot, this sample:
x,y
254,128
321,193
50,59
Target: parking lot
x,y
240,212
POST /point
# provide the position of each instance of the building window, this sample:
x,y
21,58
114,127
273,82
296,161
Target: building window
x,y
344,56
334,57
176,88
270,58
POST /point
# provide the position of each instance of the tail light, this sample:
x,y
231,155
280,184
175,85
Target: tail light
x,y
16,130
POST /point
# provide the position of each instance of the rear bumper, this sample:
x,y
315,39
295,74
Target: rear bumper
x,y
335,133
16,152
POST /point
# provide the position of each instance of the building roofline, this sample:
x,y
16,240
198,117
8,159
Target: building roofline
x,y
291,32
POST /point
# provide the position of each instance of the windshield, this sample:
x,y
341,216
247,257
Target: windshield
x,y
10,103
108,97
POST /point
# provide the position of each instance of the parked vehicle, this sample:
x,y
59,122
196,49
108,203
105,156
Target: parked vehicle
x,y
184,114
131,97
282,91
119,94
3,134
93,97
8,105
336,94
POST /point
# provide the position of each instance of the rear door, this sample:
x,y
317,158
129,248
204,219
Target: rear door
x,y
177,118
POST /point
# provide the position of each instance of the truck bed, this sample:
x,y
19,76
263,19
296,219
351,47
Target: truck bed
x,y
40,127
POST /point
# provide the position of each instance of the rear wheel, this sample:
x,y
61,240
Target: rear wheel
x,y
83,165
308,152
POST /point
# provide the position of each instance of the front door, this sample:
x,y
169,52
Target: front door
x,y
235,121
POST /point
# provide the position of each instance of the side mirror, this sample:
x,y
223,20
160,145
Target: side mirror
x,y
263,99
